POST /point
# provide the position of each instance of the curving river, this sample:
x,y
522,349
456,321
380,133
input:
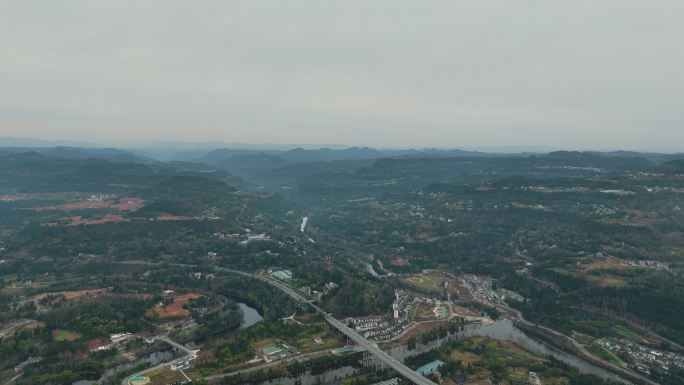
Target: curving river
x,y
499,330
504,330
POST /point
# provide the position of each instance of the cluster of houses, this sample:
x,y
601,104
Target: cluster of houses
x,y
366,323
377,328
651,264
199,275
372,327
481,287
386,333
116,341
510,294
642,357
401,305
243,239
318,295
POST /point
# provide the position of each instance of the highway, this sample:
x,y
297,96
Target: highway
x,y
380,354
372,348
386,359
189,355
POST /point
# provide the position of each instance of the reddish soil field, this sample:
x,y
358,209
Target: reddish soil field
x,y
129,204
75,294
75,206
175,309
35,325
125,204
97,343
107,218
78,220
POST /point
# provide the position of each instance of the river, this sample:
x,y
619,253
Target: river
x,y
250,317
499,330
505,330
332,376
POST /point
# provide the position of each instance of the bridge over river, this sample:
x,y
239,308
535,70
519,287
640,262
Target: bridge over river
x,y
386,359
382,356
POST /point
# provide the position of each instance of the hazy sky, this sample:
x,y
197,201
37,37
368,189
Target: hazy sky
x,y
576,74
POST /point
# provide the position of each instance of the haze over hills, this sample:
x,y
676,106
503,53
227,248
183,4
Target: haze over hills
x,y
342,192
581,242
184,150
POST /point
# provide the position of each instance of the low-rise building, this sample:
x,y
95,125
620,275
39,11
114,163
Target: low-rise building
x,y
283,275
430,368
533,379
391,381
277,352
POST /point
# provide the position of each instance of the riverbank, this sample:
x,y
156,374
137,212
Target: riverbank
x,y
572,347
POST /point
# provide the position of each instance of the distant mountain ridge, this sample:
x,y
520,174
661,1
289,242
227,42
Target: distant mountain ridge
x,y
66,152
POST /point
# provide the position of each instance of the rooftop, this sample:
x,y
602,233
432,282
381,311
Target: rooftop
x,y
430,368
273,349
282,274
391,381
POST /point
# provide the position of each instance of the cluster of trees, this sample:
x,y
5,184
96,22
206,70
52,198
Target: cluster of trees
x,y
239,346
499,364
270,302
213,317
62,341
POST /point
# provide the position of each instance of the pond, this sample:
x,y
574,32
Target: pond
x,y
250,316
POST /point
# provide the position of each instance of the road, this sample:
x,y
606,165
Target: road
x,y
189,355
583,352
11,380
298,358
9,329
372,348
380,354
580,348
390,361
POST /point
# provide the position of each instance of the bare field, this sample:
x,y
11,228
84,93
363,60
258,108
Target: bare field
x,y
174,309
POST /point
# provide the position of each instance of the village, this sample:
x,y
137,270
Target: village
x,y
642,358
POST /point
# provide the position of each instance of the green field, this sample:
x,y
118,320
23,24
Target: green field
x,y
164,376
65,335
602,353
424,282
628,333
441,312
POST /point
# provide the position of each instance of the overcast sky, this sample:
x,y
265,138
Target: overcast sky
x,y
574,74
